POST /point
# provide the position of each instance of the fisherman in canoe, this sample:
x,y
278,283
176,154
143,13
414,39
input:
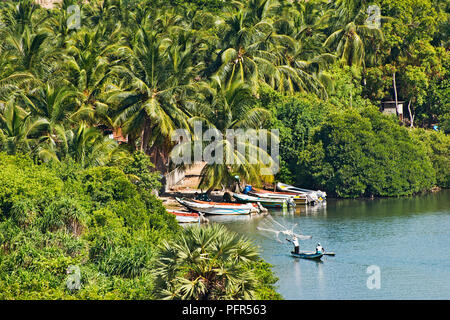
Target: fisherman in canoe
x,y
295,243
319,248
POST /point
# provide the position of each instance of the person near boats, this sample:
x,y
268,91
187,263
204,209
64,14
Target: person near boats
x,y
227,197
294,241
201,196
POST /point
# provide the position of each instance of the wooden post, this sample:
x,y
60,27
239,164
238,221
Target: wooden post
x,y
395,94
411,116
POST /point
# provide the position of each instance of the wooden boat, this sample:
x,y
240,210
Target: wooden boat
x,y
298,198
265,202
321,195
308,255
185,216
225,208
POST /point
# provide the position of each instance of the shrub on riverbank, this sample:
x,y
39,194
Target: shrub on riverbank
x,y
99,223
94,219
355,151
437,145
364,153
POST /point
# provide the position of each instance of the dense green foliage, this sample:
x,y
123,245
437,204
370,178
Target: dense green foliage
x,y
364,154
139,70
147,68
91,218
54,219
355,151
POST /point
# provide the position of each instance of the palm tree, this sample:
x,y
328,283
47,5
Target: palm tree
x,y
206,263
349,39
260,47
309,27
85,144
24,14
225,108
19,131
87,66
49,102
245,54
56,24
149,103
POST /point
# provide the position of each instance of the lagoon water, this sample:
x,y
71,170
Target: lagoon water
x,y
406,239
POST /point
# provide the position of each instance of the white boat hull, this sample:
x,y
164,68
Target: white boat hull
x,y
185,217
219,209
320,195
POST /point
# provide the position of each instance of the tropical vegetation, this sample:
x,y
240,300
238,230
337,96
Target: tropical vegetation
x,y
70,78
92,92
68,232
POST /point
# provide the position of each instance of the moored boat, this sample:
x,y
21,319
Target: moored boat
x,y
297,198
185,216
222,208
321,195
265,202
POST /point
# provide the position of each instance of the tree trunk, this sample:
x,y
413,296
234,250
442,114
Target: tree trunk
x,y
411,116
395,93
145,136
159,157
132,142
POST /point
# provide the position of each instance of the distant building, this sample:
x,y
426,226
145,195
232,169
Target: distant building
x,y
115,134
118,136
388,107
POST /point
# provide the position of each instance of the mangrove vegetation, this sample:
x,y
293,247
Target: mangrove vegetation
x,y
91,93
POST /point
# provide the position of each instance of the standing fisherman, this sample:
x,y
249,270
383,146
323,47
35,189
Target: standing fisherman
x,y
296,244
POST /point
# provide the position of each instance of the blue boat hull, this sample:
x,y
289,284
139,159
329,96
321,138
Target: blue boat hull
x,y
308,255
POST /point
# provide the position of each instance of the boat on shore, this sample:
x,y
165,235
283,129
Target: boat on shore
x,y
221,208
321,195
187,217
265,202
297,198
308,255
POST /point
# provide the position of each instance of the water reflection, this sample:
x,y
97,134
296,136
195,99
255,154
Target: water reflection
x,y
234,218
297,273
320,208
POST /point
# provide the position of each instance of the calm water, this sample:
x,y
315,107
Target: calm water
x,y
407,238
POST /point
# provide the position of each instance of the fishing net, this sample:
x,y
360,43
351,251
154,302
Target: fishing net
x,y
273,229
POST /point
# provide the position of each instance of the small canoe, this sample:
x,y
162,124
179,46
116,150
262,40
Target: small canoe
x,y
185,217
265,202
308,255
225,208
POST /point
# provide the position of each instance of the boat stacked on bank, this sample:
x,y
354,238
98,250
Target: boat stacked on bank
x,y
296,198
266,202
314,194
252,200
219,208
187,217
